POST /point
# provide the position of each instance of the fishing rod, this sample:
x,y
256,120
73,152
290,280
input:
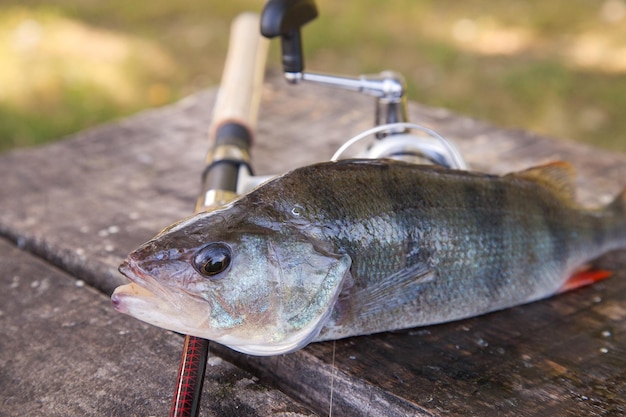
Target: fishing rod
x,y
230,135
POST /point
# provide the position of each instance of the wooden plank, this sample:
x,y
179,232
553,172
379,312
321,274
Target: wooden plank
x,y
63,352
121,183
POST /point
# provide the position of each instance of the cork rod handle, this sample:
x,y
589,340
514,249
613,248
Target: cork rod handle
x,y
240,90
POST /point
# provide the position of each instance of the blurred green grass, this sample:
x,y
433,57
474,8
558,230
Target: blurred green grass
x,y
556,68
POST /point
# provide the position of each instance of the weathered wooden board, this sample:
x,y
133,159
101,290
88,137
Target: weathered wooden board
x,y
64,352
86,202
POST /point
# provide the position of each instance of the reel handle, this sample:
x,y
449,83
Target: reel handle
x,y
284,18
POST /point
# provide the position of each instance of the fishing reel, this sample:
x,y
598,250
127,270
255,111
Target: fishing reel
x,y
393,135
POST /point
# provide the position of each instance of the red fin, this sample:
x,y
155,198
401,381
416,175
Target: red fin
x,y
584,277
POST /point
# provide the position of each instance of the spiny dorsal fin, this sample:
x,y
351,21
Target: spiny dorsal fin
x,y
557,176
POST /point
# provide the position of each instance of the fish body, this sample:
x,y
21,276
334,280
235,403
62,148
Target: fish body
x,y
356,247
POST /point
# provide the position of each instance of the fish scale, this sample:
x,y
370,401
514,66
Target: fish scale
x,y
356,247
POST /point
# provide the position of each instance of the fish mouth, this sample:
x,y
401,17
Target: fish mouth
x,y
140,278
137,290
120,296
146,299
131,271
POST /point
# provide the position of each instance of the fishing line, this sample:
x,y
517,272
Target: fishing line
x,y
332,381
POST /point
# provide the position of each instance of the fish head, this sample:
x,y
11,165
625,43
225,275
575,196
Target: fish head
x,y
259,286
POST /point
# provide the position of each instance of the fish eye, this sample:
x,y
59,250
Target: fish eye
x,y
212,259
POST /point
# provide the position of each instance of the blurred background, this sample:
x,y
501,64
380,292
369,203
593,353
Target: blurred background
x,y
554,67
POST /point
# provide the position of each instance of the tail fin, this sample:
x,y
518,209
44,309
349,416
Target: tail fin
x,y
618,206
617,228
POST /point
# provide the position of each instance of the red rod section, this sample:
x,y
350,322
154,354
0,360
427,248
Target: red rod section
x,y
234,116
186,401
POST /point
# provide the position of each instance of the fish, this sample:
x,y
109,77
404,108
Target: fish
x,y
356,247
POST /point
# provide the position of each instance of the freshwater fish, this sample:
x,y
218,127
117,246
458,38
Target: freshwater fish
x,y
356,247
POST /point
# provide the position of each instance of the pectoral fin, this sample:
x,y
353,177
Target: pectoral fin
x,y
397,287
360,308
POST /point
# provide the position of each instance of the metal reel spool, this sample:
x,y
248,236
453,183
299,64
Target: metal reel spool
x,y
432,148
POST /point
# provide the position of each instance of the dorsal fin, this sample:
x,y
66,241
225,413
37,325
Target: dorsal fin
x,y
557,176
